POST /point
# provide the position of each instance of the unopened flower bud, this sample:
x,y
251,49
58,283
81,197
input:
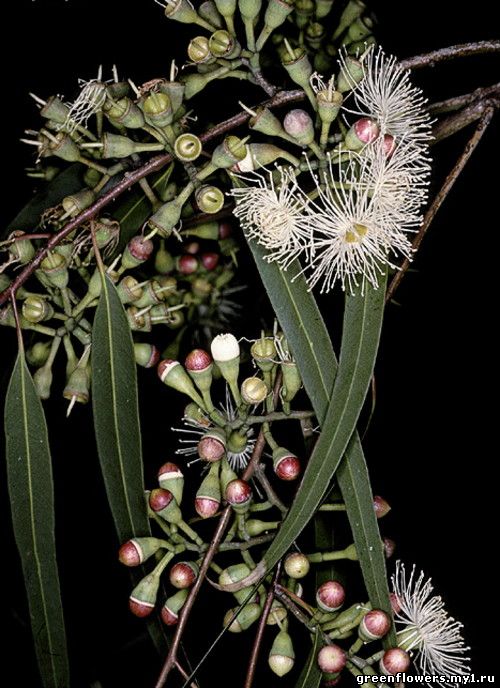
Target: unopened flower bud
x,y
172,607
389,547
331,659
208,496
137,251
362,132
171,478
187,264
183,574
330,596
359,29
239,495
199,366
164,261
171,373
143,597
276,13
138,550
282,656
380,506
299,125
209,260
394,661
38,354
163,503
146,355
43,381
374,625
351,12
297,565
244,619
351,74
286,465
254,390
395,602
256,527
212,445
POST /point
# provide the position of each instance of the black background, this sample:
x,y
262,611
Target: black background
x,y
430,446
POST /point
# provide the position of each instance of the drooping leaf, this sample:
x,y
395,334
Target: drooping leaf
x,y
135,210
308,337
67,182
310,676
117,429
29,473
116,415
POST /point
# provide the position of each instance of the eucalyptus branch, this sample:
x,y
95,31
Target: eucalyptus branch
x,y
441,196
458,102
450,53
252,665
283,596
268,489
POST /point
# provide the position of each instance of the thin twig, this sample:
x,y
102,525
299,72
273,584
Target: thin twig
x,y
268,489
185,674
281,594
450,53
453,104
252,664
456,122
440,197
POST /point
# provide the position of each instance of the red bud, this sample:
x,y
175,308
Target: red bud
x,y
197,360
330,596
395,661
331,659
210,260
160,498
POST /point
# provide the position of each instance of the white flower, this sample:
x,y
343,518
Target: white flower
x,y
225,347
88,102
354,230
387,94
274,214
427,628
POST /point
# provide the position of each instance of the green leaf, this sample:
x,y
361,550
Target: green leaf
x,y
134,212
308,337
116,415
67,182
29,473
310,676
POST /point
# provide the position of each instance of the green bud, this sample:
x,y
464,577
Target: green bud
x,y
359,29
173,605
351,73
146,355
266,122
281,657
209,12
244,619
207,230
208,495
291,380
255,527
323,8
227,474
171,373
43,381
359,47
249,9
276,13
164,261
315,34
353,10
170,477
143,597
138,550
38,354
304,10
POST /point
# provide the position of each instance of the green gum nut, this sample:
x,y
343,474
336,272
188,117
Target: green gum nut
x,y
74,204
277,614
244,619
230,152
175,91
158,109
323,8
276,12
291,380
77,386
359,29
298,67
315,33
137,322
22,251
263,352
63,147
329,104
43,382
127,289
38,354
181,11
249,9
36,309
353,10
166,217
198,50
209,199
263,154
55,110
304,10
124,112
234,574
209,12
55,270
351,73
282,656
223,45
266,122
116,146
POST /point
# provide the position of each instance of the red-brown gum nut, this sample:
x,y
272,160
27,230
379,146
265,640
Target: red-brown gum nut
x,y
182,575
331,659
168,617
168,468
160,498
288,468
140,609
210,260
129,554
197,360
238,492
376,623
395,661
367,130
192,248
140,248
206,507
331,595
225,230
210,449
187,264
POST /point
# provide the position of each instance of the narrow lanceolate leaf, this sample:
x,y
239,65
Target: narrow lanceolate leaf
x,y
310,676
308,337
116,415
29,473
